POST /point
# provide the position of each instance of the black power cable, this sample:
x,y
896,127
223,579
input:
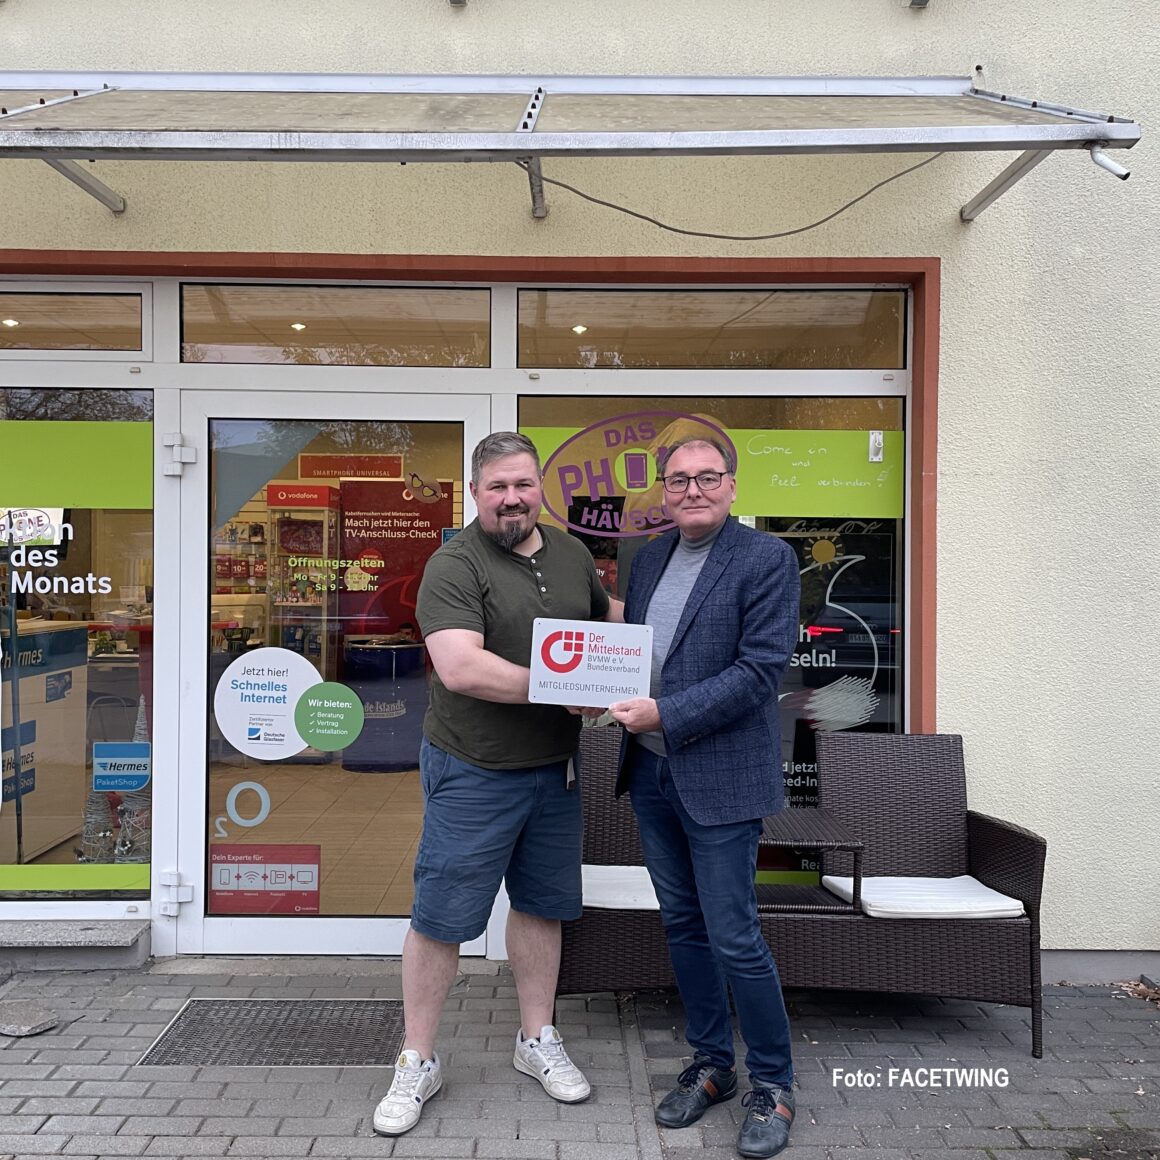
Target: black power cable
x,y
644,217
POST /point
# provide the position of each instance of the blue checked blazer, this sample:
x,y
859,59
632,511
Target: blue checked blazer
x,y
718,698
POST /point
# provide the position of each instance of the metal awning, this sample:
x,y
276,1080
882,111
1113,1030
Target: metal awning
x,y
61,118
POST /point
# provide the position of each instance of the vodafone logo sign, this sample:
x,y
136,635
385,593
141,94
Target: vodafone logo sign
x,y
568,644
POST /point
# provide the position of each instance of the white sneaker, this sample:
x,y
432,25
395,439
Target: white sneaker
x,y
546,1060
414,1084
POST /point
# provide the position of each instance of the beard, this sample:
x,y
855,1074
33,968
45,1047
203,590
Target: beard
x,y
509,533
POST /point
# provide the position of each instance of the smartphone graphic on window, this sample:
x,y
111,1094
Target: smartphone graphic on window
x,y
636,470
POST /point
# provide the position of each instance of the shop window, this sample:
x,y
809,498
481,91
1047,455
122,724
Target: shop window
x,y
733,329
806,474
336,325
58,321
76,643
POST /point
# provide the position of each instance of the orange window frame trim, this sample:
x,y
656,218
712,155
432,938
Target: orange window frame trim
x,y
920,274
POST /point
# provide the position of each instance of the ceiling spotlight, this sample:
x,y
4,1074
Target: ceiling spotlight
x,y
8,322
579,328
298,326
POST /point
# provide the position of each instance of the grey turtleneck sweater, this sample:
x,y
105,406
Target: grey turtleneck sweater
x,y
664,613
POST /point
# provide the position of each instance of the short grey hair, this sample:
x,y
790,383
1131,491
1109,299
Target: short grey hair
x,y
497,445
728,455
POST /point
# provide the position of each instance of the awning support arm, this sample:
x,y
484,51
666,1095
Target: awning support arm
x,y
536,184
532,164
1016,171
93,186
70,170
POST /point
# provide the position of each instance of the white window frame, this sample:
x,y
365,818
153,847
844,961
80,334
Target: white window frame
x,y
46,286
196,931
158,367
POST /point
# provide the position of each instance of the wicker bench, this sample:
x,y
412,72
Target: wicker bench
x,y
903,799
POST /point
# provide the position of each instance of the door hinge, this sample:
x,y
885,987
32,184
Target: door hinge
x,y
180,453
174,892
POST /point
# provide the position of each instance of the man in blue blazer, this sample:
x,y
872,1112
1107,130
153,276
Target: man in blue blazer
x,y
702,764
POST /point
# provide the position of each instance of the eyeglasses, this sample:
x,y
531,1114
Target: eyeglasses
x,y
706,481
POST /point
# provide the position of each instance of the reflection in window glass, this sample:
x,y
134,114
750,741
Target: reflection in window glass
x,y
336,325
803,474
67,403
737,329
47,321
76,636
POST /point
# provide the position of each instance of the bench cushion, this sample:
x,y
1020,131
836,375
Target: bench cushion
x,y
618,888
961,897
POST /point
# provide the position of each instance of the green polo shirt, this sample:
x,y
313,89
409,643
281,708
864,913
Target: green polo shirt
x,y
472,583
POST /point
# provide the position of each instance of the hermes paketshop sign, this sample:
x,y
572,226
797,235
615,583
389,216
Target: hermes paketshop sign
x,y
588,663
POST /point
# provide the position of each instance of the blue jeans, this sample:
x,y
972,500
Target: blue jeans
x,y
703,877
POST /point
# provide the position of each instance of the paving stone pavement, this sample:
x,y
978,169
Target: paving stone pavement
x,y
77,1090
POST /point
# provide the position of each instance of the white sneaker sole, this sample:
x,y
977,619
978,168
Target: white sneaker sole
x,y
528,1069
384,1131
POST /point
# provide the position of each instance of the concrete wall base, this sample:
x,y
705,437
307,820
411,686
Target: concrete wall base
x,y
1099,966
75,958
73,945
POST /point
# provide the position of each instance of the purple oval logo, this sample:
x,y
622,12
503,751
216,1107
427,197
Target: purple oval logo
x,y
22,525
602,481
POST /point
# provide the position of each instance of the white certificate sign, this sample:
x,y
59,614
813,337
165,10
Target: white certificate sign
x,y
589,663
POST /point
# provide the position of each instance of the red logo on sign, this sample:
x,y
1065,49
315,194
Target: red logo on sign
x,y
571,642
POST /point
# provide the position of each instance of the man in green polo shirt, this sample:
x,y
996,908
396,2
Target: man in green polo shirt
x,y
499,799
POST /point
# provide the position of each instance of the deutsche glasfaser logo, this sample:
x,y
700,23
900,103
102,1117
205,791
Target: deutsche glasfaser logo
x,y
571,644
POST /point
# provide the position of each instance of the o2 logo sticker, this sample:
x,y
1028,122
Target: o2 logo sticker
x,y
234,814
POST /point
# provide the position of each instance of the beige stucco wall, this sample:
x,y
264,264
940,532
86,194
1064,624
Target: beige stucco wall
x,y
1048,448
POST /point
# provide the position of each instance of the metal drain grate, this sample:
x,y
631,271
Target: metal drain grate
x,y
282,1033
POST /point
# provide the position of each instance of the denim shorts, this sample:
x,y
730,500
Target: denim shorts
x,y
484,826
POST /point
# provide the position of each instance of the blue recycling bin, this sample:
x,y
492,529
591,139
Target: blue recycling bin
x,y
390,679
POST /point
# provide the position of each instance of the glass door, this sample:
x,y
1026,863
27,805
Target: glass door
x,y
306,524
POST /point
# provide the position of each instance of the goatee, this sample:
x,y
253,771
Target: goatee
x,y
509,534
